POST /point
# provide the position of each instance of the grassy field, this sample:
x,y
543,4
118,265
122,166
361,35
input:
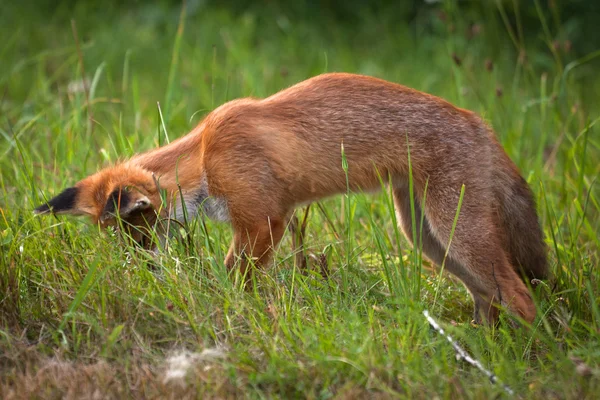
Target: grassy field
x,y
83,86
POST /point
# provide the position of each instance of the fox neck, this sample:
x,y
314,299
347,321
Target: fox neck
x,y
177,170
188,204
175,156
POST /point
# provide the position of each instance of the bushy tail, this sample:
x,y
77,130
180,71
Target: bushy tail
x,y
522,234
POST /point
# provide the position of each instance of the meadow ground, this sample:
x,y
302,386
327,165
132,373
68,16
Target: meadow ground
x,y
84,85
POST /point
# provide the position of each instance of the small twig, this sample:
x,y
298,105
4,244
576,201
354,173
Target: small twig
x,y
461,354
301,235
298,233
305,220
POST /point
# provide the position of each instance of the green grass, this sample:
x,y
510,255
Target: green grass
x,y
81,314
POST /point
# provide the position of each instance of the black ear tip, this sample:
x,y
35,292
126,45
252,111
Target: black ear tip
x,y
64,202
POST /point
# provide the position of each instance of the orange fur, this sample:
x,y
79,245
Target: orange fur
x,y
252,161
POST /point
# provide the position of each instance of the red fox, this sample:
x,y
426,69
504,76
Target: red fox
x,y
250,162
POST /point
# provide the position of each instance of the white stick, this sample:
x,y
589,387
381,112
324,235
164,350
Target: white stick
x,y
462,354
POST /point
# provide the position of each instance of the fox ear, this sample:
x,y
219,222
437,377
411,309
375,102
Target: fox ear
x,y
64,203
124,203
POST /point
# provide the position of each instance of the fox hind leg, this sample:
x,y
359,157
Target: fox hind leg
x,y
475,255
433,249
476,246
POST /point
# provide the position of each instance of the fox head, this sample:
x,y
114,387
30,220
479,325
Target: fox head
x,y
125,196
